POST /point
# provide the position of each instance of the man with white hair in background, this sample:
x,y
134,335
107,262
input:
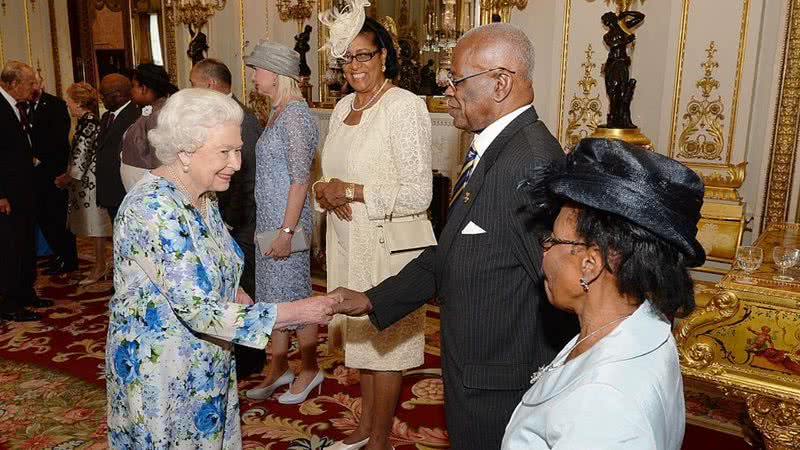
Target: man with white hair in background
x,y
497,326
17,199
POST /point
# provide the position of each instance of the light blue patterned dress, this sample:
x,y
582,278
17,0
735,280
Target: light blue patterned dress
x,y
170,373
284,153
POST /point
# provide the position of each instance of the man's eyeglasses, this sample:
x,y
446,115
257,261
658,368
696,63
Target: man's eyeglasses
x,y
547,242
453,82
360,57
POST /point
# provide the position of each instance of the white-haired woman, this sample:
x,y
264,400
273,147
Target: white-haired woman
x,y
171,379
284,153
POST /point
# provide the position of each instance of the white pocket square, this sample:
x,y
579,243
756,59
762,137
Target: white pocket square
x,y
471,228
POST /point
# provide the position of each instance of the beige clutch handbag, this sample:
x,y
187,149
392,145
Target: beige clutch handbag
x,y
401,242
265,239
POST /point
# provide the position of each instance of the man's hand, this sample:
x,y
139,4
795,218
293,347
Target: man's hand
x,y
63,180
352,303
5,206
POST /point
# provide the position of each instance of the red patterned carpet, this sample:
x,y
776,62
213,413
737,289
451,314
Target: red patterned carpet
x,y
52,393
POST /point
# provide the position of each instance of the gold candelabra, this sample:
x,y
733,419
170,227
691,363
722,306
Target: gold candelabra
x,y
195,12
297,10
501,8
623,5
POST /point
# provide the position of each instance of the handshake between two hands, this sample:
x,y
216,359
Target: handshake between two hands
x,y
339,301
320,310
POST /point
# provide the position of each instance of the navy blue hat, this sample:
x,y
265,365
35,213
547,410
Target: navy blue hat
x,y
650,190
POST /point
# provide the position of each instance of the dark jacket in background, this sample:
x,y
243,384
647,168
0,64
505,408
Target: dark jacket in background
x,y
110,190
50,124
17,230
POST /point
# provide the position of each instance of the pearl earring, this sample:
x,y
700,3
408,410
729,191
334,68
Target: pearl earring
x,y
584,284
383,67
185,168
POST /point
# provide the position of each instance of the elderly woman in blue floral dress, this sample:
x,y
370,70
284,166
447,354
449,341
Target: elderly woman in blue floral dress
x,y
170,373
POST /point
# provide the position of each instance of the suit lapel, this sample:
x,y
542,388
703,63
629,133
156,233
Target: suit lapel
x,y
456,220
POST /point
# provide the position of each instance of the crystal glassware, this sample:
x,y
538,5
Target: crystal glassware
x,y
749,259
784,257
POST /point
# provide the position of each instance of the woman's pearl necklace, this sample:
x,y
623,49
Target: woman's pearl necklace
x,y
353,107
556,364
182,187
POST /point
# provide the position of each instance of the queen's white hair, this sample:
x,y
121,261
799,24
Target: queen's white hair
x,y
186,118
520,48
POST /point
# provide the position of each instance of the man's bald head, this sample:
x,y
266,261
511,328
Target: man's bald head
x,y
19,80
115,90
503,45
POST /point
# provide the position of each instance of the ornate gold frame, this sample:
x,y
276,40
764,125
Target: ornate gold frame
x,y
783,151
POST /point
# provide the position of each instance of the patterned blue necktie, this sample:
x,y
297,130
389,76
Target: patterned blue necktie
x,y
466,171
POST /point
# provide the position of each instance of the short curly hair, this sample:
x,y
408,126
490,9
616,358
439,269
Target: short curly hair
x,y
187,116
84,94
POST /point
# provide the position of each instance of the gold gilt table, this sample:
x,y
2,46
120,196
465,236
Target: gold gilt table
x,y
746,342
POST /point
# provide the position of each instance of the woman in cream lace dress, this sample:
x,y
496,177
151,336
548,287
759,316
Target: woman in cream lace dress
x,y
376,156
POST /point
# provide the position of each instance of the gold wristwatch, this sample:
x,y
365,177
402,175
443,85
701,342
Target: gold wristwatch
x,y
287,230
350,192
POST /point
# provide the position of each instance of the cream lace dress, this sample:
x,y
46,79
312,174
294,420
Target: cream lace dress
x,y
389,153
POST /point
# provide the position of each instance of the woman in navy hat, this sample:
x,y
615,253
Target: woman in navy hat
x,y
617,257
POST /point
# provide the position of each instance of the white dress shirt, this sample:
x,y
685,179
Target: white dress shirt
x,y
624,393
11,101
484,139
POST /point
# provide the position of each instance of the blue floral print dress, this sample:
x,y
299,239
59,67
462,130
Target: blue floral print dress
x,y
170,373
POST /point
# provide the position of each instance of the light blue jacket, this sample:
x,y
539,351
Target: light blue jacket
x,y
625,392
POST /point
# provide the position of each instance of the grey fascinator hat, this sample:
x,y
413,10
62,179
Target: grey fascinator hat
x,y
276,58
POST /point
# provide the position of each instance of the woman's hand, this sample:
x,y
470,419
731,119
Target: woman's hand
x,y
333,194
312,310
344,212
319,188
63,180
281,247
242,298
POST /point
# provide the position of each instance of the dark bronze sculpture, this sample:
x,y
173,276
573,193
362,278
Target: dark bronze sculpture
x,y
301,46
619,84
198,45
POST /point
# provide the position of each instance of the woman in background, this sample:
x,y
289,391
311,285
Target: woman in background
x,y
376,167
283,161
85,218
150,89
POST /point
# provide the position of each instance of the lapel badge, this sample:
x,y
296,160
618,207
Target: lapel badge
x,y
466,197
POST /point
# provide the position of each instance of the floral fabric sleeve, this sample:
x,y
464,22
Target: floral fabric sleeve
x,y
410,136
159,240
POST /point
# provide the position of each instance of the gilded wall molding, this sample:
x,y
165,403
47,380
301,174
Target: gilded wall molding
x,y
564,50
242,45
28,32
51,10
676,91
702,135
172,51
585,111
2,57
675,144
784,137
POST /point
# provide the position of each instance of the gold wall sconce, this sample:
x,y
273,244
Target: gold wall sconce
x,y
501,8
195,12
297,10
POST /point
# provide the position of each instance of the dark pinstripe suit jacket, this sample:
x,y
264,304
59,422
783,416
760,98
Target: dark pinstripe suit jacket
x,y
497,326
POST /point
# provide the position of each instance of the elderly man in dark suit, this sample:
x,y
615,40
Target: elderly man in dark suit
x,y
497,326
17,199
115,92
238,203
50,124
